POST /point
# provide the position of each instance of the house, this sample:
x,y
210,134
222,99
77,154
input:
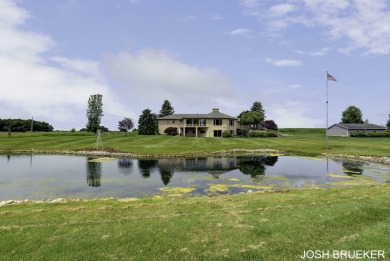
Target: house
x,y
345,129
199,125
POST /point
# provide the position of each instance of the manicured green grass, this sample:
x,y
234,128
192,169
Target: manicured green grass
x,y
266,226
302,142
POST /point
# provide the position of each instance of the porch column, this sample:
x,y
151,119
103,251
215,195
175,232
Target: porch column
x,y
196,131
184,131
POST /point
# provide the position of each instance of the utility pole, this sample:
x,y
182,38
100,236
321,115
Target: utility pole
x,y
32,123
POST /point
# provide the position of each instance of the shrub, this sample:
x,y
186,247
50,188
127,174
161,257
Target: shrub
x,y
370,134
171,131
242,132
262,134
226,134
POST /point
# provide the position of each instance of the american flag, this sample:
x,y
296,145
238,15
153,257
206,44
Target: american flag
x,y
331,78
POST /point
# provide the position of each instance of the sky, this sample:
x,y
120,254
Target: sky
x,y
199,55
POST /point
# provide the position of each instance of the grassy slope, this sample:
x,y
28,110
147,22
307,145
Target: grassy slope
x,y
274,226
299,143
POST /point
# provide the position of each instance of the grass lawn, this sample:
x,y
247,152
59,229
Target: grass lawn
x,y
266,226
300,143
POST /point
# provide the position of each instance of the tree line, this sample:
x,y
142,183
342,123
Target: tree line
x,y
19,125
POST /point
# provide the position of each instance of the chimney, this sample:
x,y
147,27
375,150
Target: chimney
x,y
215,110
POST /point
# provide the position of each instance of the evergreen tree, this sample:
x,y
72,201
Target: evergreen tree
x,y
94,112
166,109
352,115
388,122
147,123
257,106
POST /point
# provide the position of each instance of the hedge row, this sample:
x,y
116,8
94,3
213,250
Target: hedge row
x,y
262,134
370,134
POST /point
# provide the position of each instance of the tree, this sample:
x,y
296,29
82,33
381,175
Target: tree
x,y
388,122
147,123
271,125
253,119
257,106
125,125
166,109
352,115
94,112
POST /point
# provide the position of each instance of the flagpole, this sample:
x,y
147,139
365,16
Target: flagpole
x,y
327,123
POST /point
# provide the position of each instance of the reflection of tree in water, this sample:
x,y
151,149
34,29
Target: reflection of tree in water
x,y
255,166
355,168
145,166
94,173
125,166
166,176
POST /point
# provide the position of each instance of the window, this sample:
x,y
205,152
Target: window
x,y
231,123
202,131
217,121
217,133
202,122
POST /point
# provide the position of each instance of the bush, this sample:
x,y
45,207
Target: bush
x,y
226,134
370,134
171,131
262,134
242,132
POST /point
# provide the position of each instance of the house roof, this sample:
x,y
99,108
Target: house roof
x,y
359,126
215,114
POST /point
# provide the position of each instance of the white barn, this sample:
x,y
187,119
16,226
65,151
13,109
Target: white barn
x,y
345,129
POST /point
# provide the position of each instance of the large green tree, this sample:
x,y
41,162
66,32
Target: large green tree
x,y
253,118
94,112
166,109
147,123
352,115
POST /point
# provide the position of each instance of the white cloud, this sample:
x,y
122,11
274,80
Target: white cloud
x,y
241,32
364,24
55,90
280,10
293,114
320,52
284,62
151,76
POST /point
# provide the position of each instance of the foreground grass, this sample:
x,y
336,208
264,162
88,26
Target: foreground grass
x,y
301,143
267,226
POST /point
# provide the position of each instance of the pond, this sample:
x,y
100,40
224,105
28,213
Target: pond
x,y
41,177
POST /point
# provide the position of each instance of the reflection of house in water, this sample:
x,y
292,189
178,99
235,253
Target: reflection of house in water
x,y
219,165
94,173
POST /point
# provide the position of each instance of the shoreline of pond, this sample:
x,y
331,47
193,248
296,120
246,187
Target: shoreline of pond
x,y
233,152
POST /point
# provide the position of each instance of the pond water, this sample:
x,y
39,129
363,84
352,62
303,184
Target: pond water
x,y
39,177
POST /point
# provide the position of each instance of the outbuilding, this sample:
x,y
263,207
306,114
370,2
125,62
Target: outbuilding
x,y
345,129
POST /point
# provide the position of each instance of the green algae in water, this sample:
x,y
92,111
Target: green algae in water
x,y
101,159
355,181
215,188
334,175
176,191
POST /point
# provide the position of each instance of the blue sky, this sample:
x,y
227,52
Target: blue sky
x,y
197,54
